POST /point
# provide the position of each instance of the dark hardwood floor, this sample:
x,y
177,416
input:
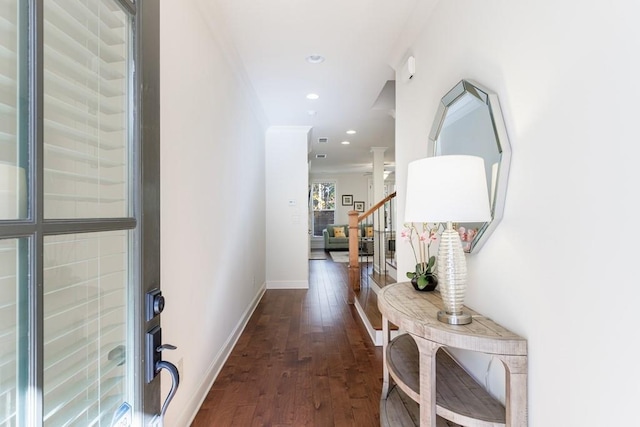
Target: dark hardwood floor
x,y
304,359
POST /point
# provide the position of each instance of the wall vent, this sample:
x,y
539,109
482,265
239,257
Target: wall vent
x,y
321,156
323,140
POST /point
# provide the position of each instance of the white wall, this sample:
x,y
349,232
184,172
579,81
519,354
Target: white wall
x,y
558,268
346,183
287,193
213,203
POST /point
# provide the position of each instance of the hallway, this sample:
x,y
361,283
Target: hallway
x,y
303,359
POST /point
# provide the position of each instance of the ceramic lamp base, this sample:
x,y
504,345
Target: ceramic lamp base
x,y
454,319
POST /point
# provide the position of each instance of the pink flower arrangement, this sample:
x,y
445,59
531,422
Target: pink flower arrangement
x,y
421,236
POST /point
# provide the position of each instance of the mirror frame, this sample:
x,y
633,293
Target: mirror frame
x,y
490,99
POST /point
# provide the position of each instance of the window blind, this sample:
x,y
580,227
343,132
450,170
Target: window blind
x,y
8,81
85,327
8,331
86,89
86,149
86,175
8,199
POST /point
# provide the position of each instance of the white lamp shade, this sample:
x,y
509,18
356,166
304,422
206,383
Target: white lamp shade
x,y
447,188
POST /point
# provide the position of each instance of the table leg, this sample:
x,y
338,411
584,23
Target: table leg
x,y
386,337
427,402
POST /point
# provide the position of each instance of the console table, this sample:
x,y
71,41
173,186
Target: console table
x,y
422,382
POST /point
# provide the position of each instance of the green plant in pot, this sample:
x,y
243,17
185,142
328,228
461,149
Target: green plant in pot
x,y
424,277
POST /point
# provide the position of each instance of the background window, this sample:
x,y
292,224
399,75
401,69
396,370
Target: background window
x,y
323,201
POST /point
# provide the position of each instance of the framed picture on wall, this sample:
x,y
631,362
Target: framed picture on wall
x,y
358,206
347,199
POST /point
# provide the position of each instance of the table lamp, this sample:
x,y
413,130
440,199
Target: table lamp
x,y
449,189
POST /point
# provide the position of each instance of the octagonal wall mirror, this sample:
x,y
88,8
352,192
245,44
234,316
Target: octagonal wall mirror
x,y
469,121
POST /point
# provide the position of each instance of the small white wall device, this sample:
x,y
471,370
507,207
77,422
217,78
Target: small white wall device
x,y
411,66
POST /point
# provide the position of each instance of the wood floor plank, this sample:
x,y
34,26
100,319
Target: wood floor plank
x,y
342,407
304,359
322,402
243,416
366,413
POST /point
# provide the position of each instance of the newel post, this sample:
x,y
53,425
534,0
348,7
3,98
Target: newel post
x,y
354,268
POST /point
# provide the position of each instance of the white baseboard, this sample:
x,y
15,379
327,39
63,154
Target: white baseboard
x,y
392,272
191,410
288,284
375,335
374,286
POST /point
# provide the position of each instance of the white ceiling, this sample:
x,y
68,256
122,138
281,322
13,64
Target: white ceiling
x,y
273,38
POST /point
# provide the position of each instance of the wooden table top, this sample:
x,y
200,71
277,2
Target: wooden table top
x,y
416,313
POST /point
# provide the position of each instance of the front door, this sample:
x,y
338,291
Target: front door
x,y
73,243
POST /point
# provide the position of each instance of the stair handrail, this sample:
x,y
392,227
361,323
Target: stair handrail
x,y
375,207
354,234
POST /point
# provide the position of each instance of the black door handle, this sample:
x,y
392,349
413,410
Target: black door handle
x,y
175,383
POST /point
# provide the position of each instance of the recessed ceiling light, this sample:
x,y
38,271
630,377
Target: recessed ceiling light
x,y
315,59
351,131
313,96
345,143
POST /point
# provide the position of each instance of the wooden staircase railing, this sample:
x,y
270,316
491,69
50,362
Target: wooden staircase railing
x,y
354,234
